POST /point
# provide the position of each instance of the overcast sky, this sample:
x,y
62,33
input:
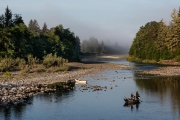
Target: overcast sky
x,y
113,20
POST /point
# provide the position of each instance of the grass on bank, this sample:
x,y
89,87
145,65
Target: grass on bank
x,y
51,63
134,59
175,61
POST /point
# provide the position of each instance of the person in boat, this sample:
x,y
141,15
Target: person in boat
x,y
132,96
137,95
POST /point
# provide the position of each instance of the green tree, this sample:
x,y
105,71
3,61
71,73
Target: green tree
x,y
8,17
33,26
69,43
173,37
18,37
102,47
144,46
77,46
93,45
2,21
44,29
84,46
17,19
6,46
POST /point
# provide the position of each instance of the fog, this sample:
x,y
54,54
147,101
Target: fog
x,y
110,21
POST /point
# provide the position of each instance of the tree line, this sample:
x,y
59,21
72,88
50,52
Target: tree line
x,y
18,40
94,46
157,40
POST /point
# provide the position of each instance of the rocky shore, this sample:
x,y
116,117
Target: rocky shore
x,y
18,89
13,94
19,93
164,71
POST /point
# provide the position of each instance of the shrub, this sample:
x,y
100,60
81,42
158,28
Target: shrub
x,y
177,59
21,63
8,75
52,60
31,60
7,64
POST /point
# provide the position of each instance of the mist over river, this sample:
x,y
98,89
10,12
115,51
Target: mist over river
x,y
160,98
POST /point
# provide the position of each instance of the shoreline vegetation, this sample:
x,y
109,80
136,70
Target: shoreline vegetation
x,y
171,68
163,62
71,70
164,71
158,42
76,70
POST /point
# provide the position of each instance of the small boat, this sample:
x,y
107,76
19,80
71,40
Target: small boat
x,y
80,81
132,100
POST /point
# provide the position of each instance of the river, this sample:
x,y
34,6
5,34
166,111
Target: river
x,y
160,98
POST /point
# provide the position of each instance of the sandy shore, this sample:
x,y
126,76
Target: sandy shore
x,y
77,71
112,57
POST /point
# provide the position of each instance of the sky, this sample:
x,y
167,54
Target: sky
x,y
107,20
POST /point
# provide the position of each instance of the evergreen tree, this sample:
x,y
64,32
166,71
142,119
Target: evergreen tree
x,y
102,47
93,45
161,38
84,46
2,21
19,35
8,17
18,40
6,46
34,26
44,29
172,39
17,19
78,45
156,40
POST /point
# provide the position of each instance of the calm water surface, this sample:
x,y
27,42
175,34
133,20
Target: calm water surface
x,y
160,99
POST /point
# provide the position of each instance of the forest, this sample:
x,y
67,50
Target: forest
x,y
19,42
93,46
157,41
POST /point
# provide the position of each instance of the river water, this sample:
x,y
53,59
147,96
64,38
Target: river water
x,y
160,98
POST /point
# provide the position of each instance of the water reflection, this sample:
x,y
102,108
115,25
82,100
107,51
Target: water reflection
x,y
131,105
165,87
17,111
155,92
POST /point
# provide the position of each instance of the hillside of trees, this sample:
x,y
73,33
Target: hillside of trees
x,y
19,41
156,41
93,46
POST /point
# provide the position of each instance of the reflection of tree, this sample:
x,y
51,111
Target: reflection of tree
x,y
19,110
162,85
16,110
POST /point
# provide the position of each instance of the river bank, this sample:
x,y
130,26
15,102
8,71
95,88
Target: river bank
x,y
164,71
171,68
18,88
76,70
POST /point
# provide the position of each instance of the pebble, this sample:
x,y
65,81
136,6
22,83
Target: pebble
x,y
14,94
